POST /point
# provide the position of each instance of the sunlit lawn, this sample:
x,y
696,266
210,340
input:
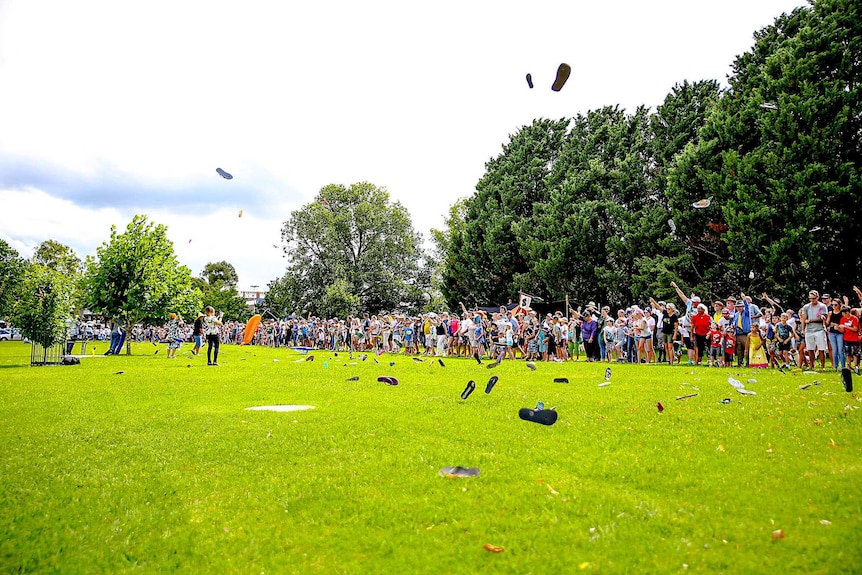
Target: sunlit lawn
x,y
161,468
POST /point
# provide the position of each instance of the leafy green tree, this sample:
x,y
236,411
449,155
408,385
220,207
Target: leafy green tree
x,y
136,277
356,234
279,298
583,240
63,259
780,156
681,251
228,301
339,300
221,274
483,252
43,304
218,287
12,268
59,257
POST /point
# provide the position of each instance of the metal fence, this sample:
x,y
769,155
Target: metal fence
x,y
47,356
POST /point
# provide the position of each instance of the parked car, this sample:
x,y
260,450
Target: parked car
x,y
10,334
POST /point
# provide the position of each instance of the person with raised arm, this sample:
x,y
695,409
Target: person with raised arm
x,y
691,303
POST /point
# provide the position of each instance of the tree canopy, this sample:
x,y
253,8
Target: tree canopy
x,y
355,235
136,277
43,305
59,257
599,206
218,289
221,275
12,268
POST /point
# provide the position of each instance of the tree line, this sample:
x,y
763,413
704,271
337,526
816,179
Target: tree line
x,y
600,206
134,278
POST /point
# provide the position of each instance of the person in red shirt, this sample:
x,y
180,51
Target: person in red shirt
x,y
729,346
700,326
714,336
849,326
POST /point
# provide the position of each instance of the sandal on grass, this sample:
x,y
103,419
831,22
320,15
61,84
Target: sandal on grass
x,y
491,383
542,416
459,472
471,386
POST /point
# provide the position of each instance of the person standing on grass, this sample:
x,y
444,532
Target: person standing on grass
x,y
116,335
835,333
715,338
669,331
783,337
756,350
198,333
590,333
741,322
850,329
442,329
211,328
174,336
700,323
813,315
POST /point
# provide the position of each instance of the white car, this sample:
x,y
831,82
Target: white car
x,y
7,334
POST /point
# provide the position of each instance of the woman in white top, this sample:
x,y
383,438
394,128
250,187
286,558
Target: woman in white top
x,y
211,329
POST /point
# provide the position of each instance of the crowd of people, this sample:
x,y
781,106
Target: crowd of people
x,y
735,332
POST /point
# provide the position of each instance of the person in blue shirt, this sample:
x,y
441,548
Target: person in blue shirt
x,y
408,337
741,323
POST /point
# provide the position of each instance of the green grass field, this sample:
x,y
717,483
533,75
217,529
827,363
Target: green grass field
x,y
161,468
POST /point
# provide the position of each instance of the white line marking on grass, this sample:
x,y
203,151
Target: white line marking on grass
x,y
279,408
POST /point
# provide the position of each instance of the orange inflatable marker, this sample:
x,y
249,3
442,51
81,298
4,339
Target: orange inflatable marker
x,y
250,329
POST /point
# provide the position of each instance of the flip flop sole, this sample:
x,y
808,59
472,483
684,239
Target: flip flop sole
x,y
459,472
388,380
542,416
847,379
491,383
471,387
562,75
561,380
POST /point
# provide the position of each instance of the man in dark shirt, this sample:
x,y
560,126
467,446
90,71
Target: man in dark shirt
x,y
669,331
198,333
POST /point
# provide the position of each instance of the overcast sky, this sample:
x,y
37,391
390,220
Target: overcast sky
x,y
112,108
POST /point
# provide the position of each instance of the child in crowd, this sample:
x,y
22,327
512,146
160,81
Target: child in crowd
x,y
714,337
729,346
408,339
756,348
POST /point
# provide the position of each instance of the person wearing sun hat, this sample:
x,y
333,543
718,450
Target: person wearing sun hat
x,y
669,331
658,312
741,322
589,332
813,316
691,303
835,333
